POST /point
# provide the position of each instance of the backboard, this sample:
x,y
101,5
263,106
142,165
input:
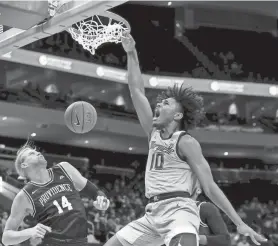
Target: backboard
x,y
68,12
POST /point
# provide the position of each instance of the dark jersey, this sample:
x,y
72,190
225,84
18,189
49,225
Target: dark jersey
x,y
58,205
203,229
212,225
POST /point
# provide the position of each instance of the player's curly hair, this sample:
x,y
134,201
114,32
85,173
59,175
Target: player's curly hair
x,y
191,102
18,161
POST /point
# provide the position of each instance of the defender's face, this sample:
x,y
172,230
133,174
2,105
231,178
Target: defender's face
x,y
31,158
165,112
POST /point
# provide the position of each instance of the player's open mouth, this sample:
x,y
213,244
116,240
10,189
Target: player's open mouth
x,y
156,113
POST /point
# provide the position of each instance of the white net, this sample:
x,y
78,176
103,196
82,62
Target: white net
x,y
94,32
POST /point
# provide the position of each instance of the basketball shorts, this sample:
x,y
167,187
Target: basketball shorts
x,y
162,221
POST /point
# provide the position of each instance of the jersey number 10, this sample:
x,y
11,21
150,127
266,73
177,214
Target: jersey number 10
x,y
157,161
65,204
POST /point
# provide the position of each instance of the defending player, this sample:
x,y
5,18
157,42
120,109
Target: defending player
x,y
52,198
175,162
213,230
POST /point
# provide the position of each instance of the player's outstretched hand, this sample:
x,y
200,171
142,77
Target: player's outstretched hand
x,y
248,231
128,43
39,231
101,203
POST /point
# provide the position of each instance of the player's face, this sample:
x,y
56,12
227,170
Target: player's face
x,y
165,112
32,158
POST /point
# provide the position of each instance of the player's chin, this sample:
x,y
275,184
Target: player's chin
x,y
42,163
156,122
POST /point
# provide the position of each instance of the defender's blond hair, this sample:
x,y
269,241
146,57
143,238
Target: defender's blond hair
x,y
19,158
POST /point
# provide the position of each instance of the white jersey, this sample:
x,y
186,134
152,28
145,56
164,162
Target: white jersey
x,y
165,170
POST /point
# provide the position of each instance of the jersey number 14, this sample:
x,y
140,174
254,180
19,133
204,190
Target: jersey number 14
x,y
157,161
65,204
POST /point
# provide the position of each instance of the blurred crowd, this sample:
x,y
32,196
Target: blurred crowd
x,y
262,216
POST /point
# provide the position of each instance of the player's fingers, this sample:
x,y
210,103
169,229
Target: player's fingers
x,y
40,228
40,234
260,238
46,228
254,239
125,38
41,231
125,34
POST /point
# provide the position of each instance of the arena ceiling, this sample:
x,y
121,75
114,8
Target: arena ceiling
x,y
269,8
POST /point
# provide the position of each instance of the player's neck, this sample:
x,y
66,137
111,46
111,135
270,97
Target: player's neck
x,y
168,131
40,175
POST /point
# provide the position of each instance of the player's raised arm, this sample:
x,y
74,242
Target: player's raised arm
x,y
86,187
191,150
136,86
21,207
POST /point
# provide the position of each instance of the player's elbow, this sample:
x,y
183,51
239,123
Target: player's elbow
x,y
209,188
5,239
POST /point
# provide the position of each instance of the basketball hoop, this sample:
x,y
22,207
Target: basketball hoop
x,y
99,29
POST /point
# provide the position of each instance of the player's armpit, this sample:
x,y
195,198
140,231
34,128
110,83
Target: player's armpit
x,y
78,180
21,207
190,149
137,91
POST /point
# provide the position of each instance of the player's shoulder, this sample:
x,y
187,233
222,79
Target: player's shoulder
x,y
63,164
21,194
22,202
69,170
22,198
188,144
188,140
64,167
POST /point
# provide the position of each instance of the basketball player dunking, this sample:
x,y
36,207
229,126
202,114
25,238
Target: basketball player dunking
x,y
213,230
52,198
175,163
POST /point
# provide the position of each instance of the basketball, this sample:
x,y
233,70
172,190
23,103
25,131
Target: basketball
x,y
80,117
